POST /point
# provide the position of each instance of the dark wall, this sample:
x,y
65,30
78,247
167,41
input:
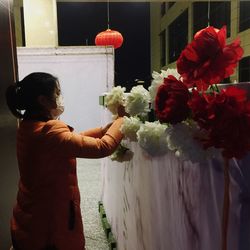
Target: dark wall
x,y
8,124
79,23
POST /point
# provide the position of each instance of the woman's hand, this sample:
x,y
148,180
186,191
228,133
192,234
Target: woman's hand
x,y
121,111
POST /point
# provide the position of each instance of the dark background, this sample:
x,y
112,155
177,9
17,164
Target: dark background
x,y
79,23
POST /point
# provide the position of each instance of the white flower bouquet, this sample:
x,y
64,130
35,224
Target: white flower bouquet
x,y
181,139
130,127
114,99
152,138
137,101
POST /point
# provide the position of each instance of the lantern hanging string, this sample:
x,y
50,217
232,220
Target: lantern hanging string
x,y
208,13
108,12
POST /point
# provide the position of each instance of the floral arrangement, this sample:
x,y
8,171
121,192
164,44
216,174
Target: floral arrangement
x,y
196,119
115,98
137,101
189,93
207,60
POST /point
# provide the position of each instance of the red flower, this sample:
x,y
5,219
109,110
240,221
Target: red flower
x,y
226,117
207,59
171,101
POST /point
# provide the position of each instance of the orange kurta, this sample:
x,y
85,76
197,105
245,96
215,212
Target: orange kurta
x,y
48,200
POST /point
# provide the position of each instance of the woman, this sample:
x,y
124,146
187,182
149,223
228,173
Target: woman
x,y
47,213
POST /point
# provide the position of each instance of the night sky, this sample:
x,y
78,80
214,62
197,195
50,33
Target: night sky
x,y
79,23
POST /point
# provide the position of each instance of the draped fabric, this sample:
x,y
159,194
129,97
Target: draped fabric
x,y
164,203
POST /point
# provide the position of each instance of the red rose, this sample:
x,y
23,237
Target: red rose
x,y
171,101
207,59
226,117
199,107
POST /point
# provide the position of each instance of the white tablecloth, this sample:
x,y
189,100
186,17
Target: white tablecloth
x,y
162,203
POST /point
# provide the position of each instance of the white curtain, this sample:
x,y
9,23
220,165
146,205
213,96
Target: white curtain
x,y
162,203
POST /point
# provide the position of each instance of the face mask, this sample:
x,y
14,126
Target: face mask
x,y
55,113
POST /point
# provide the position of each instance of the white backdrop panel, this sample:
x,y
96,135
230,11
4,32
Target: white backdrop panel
x,y
84,74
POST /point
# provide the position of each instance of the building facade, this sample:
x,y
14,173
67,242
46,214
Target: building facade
x,y
173,25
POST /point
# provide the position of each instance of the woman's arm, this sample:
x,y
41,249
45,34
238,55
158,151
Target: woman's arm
x,y
70,144
94,132
100,132
97,132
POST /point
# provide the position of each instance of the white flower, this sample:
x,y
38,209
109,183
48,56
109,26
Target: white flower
x,y
130,127
122,154
172,72
180,138
156,82
115,98
158,79
152,138
137,101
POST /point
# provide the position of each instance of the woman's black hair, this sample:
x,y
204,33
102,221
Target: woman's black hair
x,y
24,95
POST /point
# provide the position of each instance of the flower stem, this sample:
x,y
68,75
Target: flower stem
x,y
217,89
226,204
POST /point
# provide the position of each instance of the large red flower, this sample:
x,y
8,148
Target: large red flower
x,y
226,117
171,101
207,59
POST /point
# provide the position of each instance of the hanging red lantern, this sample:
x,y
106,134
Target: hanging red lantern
x,y
109,37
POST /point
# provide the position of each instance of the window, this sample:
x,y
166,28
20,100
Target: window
x,y
163,48
219,15
244,15
177,36
226,80
163,9
244,69
170,4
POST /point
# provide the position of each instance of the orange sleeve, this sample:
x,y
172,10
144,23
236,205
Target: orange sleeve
x,y
70,144
94,132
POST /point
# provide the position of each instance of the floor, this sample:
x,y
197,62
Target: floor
x,y
89,180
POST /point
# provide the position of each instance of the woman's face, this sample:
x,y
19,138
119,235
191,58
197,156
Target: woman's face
x,y
56,94
57,107
53,106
